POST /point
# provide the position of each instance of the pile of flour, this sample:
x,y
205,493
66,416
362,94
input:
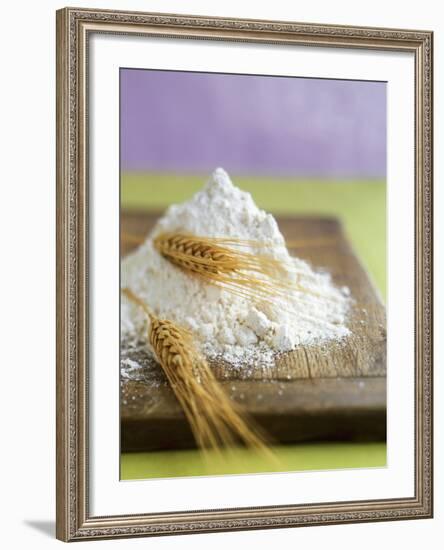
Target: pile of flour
x,y
227,326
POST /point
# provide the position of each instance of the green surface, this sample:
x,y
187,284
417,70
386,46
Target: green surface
x,y
361,206
320,456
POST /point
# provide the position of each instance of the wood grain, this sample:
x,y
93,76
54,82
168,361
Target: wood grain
x,y
334,391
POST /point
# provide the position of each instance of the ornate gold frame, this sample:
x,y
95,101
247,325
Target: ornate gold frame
x,y
73,519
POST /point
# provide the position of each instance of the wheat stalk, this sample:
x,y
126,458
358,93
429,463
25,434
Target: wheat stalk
x,y
221,261
212,259
215,421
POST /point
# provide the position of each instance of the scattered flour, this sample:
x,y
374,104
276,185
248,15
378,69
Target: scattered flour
x,y
227,326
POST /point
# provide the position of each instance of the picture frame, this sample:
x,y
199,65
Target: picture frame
x,y
75,473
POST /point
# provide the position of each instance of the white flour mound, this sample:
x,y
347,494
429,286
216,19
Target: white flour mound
x,y
225,325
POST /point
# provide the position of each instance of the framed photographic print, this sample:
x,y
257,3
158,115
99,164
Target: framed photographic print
x,y
244,274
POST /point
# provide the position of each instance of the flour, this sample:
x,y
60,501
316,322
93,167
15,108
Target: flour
x,y
237,330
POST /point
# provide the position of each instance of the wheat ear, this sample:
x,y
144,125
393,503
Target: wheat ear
x,y
216,422
253,276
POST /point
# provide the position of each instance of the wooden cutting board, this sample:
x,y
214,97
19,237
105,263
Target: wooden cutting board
x,y
330,392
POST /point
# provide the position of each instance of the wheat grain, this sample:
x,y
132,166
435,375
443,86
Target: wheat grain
x,y
215,421
222,261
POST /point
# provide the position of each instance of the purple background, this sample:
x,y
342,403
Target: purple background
x,y
178,121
